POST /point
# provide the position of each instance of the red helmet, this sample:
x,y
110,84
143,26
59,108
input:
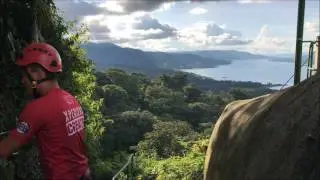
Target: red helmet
x,y
43,54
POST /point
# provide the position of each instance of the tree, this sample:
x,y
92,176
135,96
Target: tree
x,y
18,28
127,129
141,79
142,82
162,100
238,94
121,78
133,84
115,99
162,142
198,112
191,93
175,82
102,79
98,92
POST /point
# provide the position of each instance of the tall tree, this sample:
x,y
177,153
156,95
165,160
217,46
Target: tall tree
x,y
25,21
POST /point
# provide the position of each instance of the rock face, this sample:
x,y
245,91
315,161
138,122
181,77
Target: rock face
x,y
271,137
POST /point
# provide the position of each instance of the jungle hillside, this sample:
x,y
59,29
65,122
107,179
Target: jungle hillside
x,y
163,119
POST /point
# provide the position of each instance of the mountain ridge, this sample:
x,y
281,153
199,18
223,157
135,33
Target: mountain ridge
x,y
154,64
109,54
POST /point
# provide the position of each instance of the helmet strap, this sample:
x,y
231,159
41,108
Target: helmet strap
x,y
34,84
35,92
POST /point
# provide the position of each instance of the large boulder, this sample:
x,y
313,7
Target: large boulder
x,y
271,137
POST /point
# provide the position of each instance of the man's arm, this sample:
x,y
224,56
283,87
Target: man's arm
x,y
7,147
28,125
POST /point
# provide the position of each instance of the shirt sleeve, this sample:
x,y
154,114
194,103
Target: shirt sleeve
x,y
28,124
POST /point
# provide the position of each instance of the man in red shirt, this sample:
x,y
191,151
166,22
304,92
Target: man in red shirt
x,y
54,117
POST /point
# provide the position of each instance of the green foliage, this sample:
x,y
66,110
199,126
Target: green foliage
x,y
162,100
238,94
175,82
176,167
102,79
127,129
198,112
163,141
189,166
77,77
115,99
134,84
192,93
216,101
121,78
109,166
141,79
200,146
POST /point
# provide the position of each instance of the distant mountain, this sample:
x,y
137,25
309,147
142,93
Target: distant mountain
x,y
240,55
290,58
154,64
229,55
106,54
287,55
184,60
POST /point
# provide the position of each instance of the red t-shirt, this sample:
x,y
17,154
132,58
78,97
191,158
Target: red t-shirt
x,y
57,122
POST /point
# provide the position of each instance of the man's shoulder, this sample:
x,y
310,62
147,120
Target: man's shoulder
x,y
68,98
50,99
33,104
58,95
32,108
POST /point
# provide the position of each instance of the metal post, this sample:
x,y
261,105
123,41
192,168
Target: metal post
x,y
299,39
318,54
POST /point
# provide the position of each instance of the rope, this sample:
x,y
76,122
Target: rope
x,y
292,76
122,169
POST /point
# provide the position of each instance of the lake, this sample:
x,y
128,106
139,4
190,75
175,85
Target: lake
x,y
259,70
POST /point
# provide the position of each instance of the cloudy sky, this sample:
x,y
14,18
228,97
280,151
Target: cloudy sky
x,y
264,26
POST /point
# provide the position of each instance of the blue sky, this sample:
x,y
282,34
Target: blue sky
x,y
263,26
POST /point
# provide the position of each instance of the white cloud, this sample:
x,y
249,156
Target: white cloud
x,y
197,11
152,45
140,30
75,10
112,6
206,35
126,28
96,26
265,42
312,29
146,22
253,1
131,6
166,6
